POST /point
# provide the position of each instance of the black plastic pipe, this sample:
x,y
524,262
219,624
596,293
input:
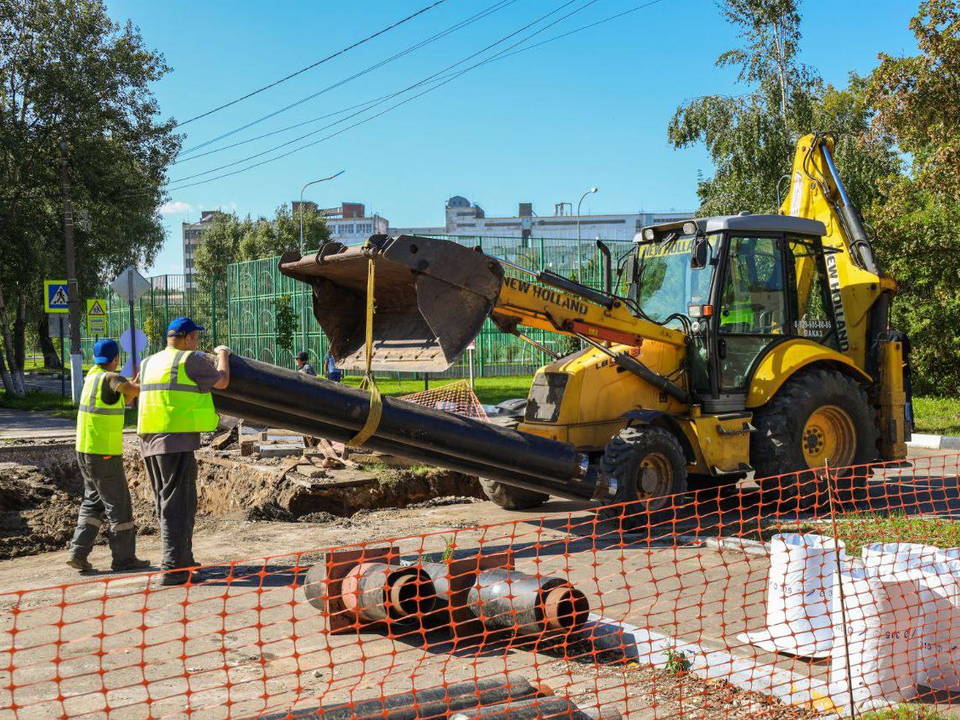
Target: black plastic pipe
x,y
308,426
473,440
435,702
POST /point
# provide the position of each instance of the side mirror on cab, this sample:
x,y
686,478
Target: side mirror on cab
x,y
700,253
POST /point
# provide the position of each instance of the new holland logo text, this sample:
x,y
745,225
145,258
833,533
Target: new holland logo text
x,y
547,295
837,298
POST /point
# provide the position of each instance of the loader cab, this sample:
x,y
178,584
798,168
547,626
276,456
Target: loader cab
x,y
738,286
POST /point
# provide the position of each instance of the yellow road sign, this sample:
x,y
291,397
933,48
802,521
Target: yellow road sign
x,y
55,296
97,317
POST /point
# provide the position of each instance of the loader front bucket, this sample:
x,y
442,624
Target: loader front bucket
x,y
431,298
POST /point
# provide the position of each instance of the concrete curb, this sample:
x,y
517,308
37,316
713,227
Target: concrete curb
x,y
935,442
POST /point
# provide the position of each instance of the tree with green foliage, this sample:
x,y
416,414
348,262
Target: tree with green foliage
x,y
220,247
230,240
917,100
751,137
70,75
286,322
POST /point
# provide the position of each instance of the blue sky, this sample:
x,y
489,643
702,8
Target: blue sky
x,y
541,126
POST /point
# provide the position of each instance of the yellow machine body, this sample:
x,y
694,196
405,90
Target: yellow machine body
x,y
646,360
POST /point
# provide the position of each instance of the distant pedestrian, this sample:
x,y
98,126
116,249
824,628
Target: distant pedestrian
x,y
100,457
331,370
303,364
175,407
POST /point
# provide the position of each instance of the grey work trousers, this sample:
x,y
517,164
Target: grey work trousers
x,y
105,495
174,480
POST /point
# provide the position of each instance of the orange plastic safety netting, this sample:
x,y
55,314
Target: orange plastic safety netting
x,y
829,593
456,397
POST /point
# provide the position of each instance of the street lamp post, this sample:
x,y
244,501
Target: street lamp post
x,y
303,311
588,192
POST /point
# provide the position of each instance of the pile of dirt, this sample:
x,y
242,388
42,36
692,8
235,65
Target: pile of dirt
x,y
38,509
41,490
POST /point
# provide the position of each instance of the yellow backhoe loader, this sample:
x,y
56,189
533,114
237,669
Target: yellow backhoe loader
x,y
725,345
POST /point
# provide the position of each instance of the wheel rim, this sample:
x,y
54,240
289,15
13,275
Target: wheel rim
x,y
656,476
829,436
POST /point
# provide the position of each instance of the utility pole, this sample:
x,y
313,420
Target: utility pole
x,y
73,292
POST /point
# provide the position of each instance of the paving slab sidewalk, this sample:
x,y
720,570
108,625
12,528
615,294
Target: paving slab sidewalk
x,y
24,424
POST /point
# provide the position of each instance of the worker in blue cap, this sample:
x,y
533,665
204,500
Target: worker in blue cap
x,y
100,457
175,407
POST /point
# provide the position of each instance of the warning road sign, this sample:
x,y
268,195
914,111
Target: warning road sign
x,y
55,297
97,317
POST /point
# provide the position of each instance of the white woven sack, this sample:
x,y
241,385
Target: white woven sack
x,y
937,620
879,638
799,596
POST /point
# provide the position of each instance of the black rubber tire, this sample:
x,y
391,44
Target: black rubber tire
x,y
622,460
776,448
508,496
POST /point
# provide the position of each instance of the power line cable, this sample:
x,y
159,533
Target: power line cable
x,y
312,65
436,86
387,97
433,38
399,92
500,56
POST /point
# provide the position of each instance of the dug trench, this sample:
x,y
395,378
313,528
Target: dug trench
x,y
41,490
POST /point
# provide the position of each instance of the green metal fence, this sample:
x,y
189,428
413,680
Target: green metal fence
x,y
170,296
241,308
254,288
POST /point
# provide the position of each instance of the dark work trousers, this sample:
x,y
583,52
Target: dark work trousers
x,y
174,480
105,496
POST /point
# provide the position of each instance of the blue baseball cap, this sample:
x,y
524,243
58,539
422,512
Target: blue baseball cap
x,y
182,326
105,351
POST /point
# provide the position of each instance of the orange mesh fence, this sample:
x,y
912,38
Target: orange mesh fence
x,y
456,397
836,592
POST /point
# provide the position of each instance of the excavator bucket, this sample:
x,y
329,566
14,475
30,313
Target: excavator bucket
x,y
430,296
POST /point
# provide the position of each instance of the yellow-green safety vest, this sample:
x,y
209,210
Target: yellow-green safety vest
x,y
99,425
170,402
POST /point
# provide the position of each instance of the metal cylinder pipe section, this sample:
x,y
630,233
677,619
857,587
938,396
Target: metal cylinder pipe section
x,y
378,592
422,434
509,600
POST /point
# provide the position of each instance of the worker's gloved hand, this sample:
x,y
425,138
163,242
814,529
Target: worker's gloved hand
x,y
223,349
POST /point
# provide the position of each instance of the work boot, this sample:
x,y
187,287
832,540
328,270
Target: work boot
x,y
180,578
81,564
131,564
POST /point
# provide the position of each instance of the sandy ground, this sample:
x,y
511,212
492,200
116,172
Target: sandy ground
x,y
245,641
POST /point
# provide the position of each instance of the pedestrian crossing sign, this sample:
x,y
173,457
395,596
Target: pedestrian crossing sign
x,y
97,317
55,297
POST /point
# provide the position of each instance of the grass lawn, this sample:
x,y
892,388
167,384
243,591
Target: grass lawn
x,y
38,401
859,529
937,416
905,712
489,390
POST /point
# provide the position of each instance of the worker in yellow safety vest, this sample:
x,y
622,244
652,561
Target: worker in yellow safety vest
x,y
100,457
175,407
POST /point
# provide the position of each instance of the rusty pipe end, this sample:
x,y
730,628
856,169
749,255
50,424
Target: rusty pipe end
x,y
565,608
411,593
350,589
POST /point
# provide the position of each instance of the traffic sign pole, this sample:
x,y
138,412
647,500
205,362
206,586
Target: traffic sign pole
x,y
63,370
133,334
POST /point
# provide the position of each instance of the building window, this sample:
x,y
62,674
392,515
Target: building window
x,y
365,228
347,229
